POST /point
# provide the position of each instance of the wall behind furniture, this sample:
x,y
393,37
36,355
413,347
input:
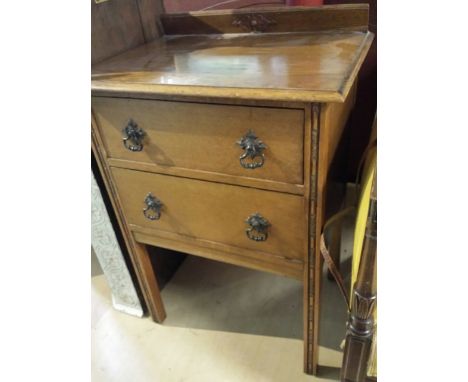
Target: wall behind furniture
x,y
119,25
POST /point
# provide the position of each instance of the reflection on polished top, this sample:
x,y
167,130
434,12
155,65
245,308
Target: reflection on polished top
x,y
313,66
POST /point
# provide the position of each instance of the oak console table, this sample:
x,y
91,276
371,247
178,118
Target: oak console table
x,y
216,139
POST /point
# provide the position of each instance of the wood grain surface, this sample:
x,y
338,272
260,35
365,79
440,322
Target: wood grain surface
x,y
150,12
285,67
119,25
214,212
115,28
270,20
290,76
244,258
203,136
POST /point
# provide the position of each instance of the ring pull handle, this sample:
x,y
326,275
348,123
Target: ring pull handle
x,y
253,151
152,211
133,136
258,227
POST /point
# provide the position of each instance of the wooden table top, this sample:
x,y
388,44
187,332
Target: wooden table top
x,y
309,67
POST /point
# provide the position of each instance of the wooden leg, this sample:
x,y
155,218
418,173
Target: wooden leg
x,y
357,348
309,349
312,288
150,283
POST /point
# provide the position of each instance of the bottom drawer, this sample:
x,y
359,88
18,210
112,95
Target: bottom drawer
x,y
215,212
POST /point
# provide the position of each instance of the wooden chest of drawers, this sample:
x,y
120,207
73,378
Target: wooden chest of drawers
x,y
219,145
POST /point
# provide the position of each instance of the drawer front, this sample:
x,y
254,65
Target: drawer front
x,y
203,136
214,212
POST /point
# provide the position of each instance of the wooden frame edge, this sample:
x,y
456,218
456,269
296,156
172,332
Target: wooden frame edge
x,y
112,89
311,306
272,9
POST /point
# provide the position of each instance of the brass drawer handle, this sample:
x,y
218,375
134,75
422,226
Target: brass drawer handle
x,y
258,227
133,136
154,206
253,149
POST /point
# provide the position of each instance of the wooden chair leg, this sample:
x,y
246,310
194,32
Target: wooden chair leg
x,y
150,283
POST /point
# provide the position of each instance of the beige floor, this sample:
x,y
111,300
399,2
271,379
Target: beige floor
x,y
225,323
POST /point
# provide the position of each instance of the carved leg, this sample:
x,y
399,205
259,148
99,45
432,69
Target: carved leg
x,y
150,283
358,339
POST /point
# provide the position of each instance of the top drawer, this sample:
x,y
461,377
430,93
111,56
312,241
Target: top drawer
x,y
204,137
